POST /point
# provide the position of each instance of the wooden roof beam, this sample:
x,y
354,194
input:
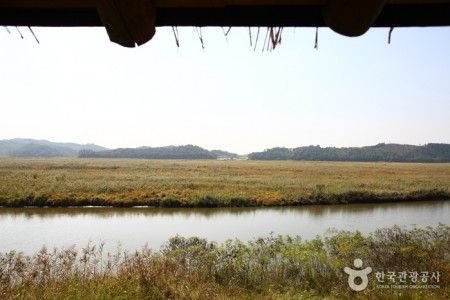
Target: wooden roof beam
x,y
60,4
397,15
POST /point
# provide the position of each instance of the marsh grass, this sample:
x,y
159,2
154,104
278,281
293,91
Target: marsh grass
x,y
271,267
184,183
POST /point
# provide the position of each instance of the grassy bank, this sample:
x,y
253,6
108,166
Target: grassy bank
x,y
265,268
178,183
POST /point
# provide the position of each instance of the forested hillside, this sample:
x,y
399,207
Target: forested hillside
x,y
168,152
42,148
380,152
432,152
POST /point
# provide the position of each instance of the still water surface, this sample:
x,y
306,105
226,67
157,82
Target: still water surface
x,y
28,229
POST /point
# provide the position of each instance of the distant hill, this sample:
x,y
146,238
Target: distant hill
x,y
380,152
42,148
168,152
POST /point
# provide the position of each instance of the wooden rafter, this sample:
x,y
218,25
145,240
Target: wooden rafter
x,y
190,3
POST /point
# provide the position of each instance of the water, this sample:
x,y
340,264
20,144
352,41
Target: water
x,y
28,229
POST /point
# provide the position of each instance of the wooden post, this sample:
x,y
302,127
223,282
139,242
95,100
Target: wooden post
x,y
352,17
128,22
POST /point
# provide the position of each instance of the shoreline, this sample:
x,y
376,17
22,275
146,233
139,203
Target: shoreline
x,y
178,205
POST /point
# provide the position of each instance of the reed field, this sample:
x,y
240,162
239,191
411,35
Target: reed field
x,y
211,183
271,267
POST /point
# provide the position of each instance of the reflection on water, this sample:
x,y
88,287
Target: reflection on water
x,y
27,229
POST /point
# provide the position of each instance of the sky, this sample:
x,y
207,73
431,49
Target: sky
x,y
77,86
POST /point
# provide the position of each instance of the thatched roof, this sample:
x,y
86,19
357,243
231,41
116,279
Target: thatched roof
x,y
267,13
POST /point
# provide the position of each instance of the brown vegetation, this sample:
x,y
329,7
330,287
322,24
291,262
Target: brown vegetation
x,y
185,183
265,268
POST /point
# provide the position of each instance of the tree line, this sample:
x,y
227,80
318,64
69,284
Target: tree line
x,y
168,152
381,152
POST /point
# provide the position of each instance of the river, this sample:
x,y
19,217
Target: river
x,y
28,229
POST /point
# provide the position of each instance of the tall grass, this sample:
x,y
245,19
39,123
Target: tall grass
x,y
121,182
272,267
